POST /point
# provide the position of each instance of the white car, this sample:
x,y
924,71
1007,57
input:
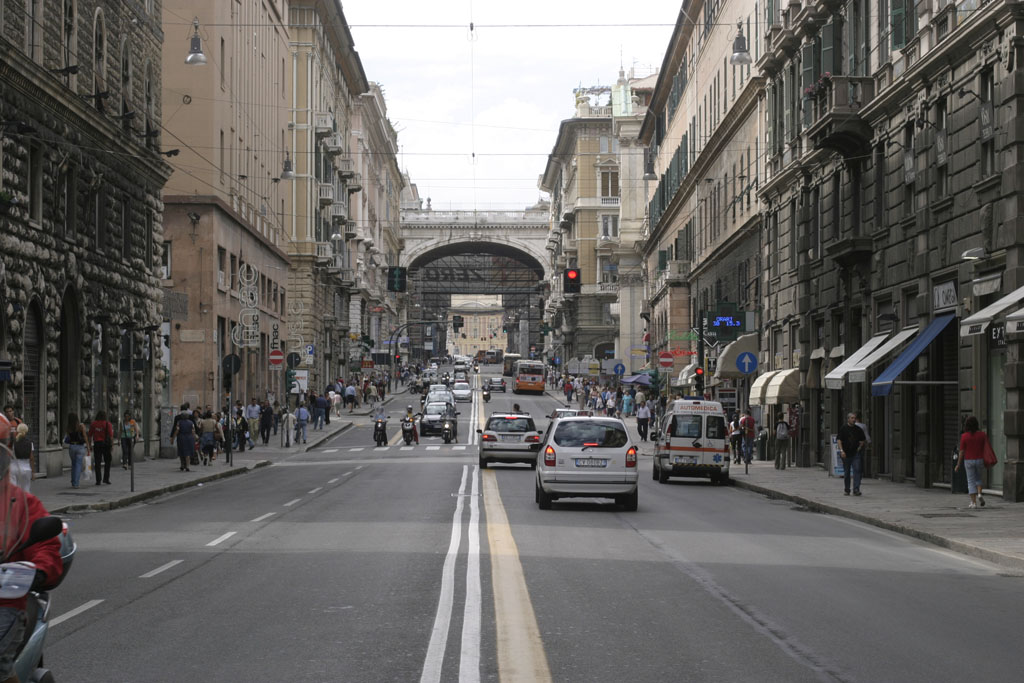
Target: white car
x,y
587,457
462,391
433,366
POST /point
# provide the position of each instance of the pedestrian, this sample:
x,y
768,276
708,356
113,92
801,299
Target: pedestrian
x,y
371,395
301,420
627,404
350,396
266,422
748,426
643,419
973,443
735,438
287,424
184,437
851,441
78,447
867,436
321,412
101,437
781,443
208,432
242,431
129,434
23,466
277,416
252,417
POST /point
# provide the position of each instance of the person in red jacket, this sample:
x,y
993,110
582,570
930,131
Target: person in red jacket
x,y
17,513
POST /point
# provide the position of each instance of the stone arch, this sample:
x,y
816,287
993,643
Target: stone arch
x,y
604,350
69,353
33,369
530,253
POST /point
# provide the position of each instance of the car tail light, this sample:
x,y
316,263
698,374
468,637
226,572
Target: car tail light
x,y
590,444
533,438
549,456
488,437
631,457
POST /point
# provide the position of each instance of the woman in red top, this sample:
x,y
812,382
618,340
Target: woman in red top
x,y
972,456
101,437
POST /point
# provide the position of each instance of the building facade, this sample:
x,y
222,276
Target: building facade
x,y
80,214
225,268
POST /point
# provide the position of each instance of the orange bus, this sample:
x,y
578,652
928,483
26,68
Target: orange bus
x,y
528,375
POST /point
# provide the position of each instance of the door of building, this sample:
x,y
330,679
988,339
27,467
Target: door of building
x,y
993,418
32,385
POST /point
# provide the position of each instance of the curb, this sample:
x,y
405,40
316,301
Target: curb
x,y
928,537
154,493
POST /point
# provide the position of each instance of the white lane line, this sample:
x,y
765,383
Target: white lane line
x,y
332,481
433,448
355,450
222,538
314,490
331,450
74,613
292,502
458,448
381,448
405,448
263,517
161,568
360,467
469,662
346,474
442,619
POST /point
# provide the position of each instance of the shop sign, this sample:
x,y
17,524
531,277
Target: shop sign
x,y
997,336
944,296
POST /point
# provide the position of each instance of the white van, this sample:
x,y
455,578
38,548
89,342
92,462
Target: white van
x,y
693,442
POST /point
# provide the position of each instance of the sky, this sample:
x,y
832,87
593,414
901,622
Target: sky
x,y
477,112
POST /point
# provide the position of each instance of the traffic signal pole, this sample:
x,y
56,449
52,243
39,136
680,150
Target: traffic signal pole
x,y
700,352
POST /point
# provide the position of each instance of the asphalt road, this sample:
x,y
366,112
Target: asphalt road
x,y
353,563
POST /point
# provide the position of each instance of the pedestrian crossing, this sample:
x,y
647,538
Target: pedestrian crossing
x,y
386,449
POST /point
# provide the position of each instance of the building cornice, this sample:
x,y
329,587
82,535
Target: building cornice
x,y
209,199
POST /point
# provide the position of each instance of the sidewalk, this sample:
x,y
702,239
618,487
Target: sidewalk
x,y
157,476
994,533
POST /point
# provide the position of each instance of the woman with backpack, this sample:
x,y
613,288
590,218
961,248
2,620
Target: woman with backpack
x,y
101,438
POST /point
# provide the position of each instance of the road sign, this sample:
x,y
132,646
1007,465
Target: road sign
x,y
666,359
293,360
301,382
573,367
276,357
231,364
594,368
310,349
620,369
746,362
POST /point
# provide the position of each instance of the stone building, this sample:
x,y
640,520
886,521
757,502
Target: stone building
x,y
80,213
225,268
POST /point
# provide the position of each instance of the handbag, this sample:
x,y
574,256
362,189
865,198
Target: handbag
x,y
989,456
87,464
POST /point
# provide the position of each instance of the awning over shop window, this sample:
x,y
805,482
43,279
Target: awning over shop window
x,y
979,322
836,378
883,384
726,368
783,387
686,375
859,373
1015,323
758,388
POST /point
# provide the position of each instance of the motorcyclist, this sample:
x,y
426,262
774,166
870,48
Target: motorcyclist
x,y
382,416
411,417
17,513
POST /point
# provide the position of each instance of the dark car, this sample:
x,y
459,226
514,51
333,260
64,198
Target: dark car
x,y
435,414
496,384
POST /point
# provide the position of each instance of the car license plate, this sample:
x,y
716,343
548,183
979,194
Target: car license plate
x,y
591,462
510,437
686,460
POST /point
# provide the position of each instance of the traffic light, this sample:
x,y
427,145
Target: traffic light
x,y
397,279
699,379
398,359
457,322
289,380
571,281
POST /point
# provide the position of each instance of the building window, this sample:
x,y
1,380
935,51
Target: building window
x,y
126,83
165,261
126,229
222,256
99,220
609,183
34,29
69,40
609,226
35,183
151,140
99,61
988,144
903,23
67,194
148,255
233,272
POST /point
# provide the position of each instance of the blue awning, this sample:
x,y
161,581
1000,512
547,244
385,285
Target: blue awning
x,y
883,384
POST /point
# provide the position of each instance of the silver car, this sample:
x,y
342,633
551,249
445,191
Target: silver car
x,y
462,392
589,457
509,437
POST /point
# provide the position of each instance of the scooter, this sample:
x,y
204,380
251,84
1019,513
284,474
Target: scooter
x,y
408,429
448,431
487,395
380,431
17,580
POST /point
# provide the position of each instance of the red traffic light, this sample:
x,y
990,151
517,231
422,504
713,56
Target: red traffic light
x,y
699,371
572,274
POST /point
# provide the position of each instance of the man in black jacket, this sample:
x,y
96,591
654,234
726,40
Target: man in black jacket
x,y
851,440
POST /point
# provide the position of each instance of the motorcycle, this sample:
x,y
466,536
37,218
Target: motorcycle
x,y
448,431
17,579
487,395
408,429
380,431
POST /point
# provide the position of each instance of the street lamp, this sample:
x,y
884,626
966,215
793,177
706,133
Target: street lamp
x,y
740,52
195,53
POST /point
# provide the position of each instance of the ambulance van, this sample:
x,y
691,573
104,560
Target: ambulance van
x,y
692,442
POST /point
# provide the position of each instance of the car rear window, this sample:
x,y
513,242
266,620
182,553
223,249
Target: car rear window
x,y
592,433
436,409
461,385
687,426
510,424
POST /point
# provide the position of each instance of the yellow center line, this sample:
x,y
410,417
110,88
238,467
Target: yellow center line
x,y
521,654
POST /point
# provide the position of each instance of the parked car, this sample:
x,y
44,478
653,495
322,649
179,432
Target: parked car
x,y
496,384
462,391
589,457
509,438
434,415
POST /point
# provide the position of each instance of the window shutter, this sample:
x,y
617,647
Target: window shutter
x,y
787,106
807,66
899,24
662,259
771,120
828,51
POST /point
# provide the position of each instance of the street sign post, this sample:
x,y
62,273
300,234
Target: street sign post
x,y
293,360
619,369
666,359
276,359
746,362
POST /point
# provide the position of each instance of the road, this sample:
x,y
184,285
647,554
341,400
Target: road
x,y
356,563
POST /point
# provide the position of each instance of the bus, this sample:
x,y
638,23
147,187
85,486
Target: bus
x,y
528,375
509,360
492,356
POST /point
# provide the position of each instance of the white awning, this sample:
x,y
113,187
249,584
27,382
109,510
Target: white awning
x,y
1015,322
979,322
757,389
837,351
783,387
834,379
727,368
859,373
686,375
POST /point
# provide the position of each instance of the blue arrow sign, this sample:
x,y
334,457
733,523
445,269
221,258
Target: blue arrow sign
x,y
619,369
746,362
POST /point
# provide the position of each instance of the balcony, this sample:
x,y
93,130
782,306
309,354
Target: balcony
x,y
346,276
323,123
324,253
350,230
326,193
677,271
355,184
334,144
851,252
833,114
595,202
346,167
339,212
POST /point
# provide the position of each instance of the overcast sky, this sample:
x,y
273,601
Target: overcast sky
x,y
513,82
